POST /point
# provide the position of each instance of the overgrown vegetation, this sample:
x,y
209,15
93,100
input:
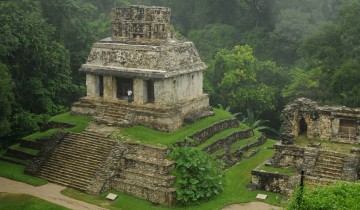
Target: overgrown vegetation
x,y
21,202
339,196
16,172
198,177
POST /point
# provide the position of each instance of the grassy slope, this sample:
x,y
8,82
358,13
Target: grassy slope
x,y
80,123
150,136
235,191
21,202
16,172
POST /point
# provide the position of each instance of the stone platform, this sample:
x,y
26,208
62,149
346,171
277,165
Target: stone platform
x,y
160,117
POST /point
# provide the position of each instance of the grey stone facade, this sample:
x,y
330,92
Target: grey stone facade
x,y
162,72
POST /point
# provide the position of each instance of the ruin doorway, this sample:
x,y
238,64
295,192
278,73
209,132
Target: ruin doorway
x,y
122,86
100,85
150,91
302,126
347,128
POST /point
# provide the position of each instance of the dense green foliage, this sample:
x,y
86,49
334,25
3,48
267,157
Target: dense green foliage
x,y
339,196
198,177
261,54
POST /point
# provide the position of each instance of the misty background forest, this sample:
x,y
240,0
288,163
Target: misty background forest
x,y
260,54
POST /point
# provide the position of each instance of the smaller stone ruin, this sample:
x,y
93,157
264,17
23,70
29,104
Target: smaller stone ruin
x,y
303,116
340,125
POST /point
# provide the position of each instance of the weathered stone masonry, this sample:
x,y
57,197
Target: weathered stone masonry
x,y
163,73
303,116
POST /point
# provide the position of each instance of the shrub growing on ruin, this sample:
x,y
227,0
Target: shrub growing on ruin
x,y
198,177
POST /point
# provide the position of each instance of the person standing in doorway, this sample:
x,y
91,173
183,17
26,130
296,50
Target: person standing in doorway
x,y
129,93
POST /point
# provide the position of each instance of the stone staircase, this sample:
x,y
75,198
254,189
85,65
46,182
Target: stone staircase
x,y
328,169
76,160
113,116
146,174
329,165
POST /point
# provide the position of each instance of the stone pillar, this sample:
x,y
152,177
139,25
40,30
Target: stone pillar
x,y
140,92
91,85
109,87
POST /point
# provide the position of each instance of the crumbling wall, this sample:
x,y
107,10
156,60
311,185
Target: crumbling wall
x,y
274,182
288,156
320,122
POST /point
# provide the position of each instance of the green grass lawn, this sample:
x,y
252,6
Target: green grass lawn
x,y
16,172
150,136
235,191
23,149
23,202
79,121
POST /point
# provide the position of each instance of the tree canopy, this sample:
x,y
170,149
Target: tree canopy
x,y
260,53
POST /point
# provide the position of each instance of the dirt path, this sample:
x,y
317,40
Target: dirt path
x,y
252,206
49,192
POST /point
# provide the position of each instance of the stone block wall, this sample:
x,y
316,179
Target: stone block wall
x,y
274,182
229,140
139,170
288,156
320,122
308,159
203,135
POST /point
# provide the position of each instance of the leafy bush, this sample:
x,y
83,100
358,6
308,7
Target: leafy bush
x,y
339,196
198,177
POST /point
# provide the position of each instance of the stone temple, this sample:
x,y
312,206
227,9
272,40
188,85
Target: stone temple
x,y
164,74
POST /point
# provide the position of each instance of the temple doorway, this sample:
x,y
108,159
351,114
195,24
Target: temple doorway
x,y
150,91
302,127
122,86
101,85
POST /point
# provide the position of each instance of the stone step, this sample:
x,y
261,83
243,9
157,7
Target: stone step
x,y
66,182
92,133
67,153
332,154
149,165
67,175
330,161
111,122
165,196
71,171
78,150
318,181
148,178
90,139
83,165
89,146
328,168
329,165
147,151
327,175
